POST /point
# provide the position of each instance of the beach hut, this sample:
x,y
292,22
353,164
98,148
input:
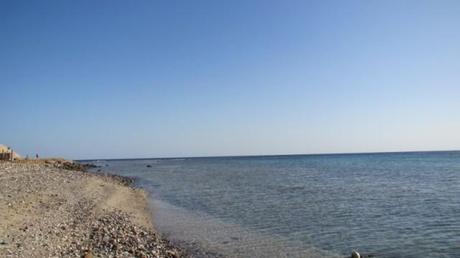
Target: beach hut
x,y
6,153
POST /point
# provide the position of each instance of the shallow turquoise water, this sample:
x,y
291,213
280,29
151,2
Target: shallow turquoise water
x,y
388,205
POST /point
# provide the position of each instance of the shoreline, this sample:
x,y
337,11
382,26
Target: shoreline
x,y
55,208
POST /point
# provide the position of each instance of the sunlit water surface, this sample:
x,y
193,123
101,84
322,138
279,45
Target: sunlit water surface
x,y
388,205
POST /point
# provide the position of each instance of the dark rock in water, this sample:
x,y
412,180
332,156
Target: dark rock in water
x,y
355,254
69,165
149,166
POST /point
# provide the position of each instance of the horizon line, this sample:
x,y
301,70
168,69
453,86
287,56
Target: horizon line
x,y
275,155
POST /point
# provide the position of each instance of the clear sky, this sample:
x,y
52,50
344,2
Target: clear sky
x,y
131,79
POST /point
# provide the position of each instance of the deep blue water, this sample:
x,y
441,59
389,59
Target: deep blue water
x,y
388,205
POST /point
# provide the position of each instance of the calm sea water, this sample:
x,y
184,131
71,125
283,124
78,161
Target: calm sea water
x,y
388,205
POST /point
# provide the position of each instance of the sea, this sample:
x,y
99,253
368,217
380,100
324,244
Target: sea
x,y
378,204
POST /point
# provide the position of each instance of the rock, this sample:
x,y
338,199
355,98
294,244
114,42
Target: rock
x,y
2,242
355,254
149,166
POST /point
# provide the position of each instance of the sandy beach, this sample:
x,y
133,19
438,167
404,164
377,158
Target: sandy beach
x,y
51,209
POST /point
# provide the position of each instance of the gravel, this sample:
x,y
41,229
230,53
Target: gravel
x,y
51,211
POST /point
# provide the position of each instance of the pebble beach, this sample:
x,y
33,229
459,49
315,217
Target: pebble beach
x,y
53,208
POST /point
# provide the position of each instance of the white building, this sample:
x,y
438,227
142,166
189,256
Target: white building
x,y
5,149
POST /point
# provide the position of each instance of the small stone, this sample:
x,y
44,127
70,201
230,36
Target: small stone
x,y
88,254
355,254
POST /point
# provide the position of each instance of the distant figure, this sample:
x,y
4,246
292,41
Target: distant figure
x,y
36,156
27,157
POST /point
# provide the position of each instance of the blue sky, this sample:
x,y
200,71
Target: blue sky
x,y
118,79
